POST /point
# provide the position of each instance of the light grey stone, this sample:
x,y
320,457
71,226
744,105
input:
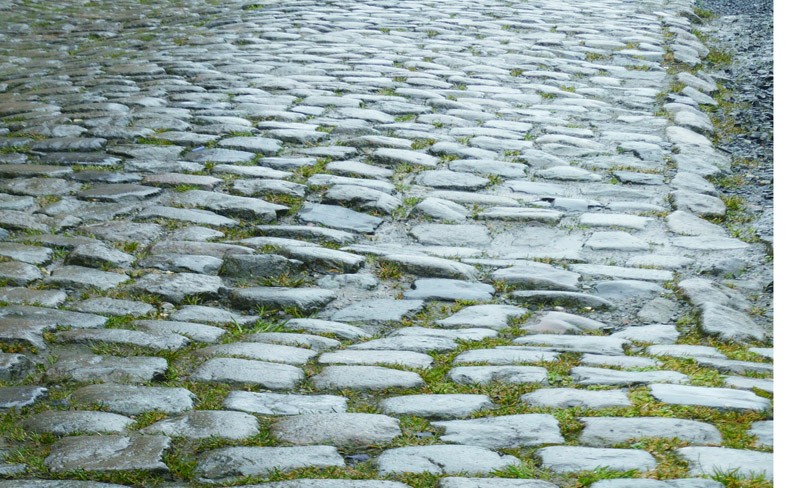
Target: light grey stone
x,y
493,483
487,316
448,290
506,355
729,324
436,406
763,432
196,332
274,353
442,459
21,396
585,344
616,241
443,209
78,277
133,400
562,298
723,398
109,453
624,362
569,459
282,404
344,331
712,460
177,286
609,431
158,342
467,375
14,366
310,341
428,266
114,307
303,299
654,334
451,235
351,357
339,429
211,315
572,397
231,462
339,218
748,383
201,424
244,371
503,432
585,375
378,311
538,276
113,369
365,378
78,422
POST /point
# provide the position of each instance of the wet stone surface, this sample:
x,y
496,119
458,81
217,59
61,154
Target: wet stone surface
x,y
385,244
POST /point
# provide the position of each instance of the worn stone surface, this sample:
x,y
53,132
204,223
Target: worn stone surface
x,y
334,220
442,460
339,429
108,453
710,460
230,462
133,400
566,459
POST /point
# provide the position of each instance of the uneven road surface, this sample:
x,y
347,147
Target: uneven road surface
x,y
376,244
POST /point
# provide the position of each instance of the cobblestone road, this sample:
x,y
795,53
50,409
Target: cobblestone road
x,y
380,244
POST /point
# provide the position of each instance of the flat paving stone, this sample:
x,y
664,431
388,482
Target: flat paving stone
x,y
573,397
114,307
334,483
503,431
244,371
493,483
538,276
504,355
78,422
584,344
339,429
763,431
561,298
303,299
569,459
158,342
378,311
202,424
195,332
113,369
711,460
445,459
133,400
109,453
21,396
650,483
365,378
310,341
467,375
729,323
584,375
610,431
416,343
175,287
284,404
433,267
487,316
408,359
79,277
448,290
232,462
436,406
341,330
14,366
723,398
274,353
339,218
